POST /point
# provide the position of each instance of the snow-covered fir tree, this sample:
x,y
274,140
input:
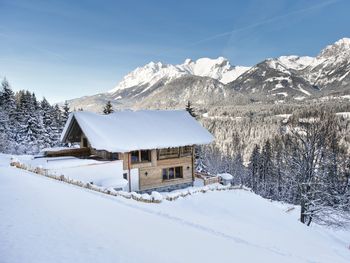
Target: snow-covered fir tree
x,y
27,125
108,108
66,112
190,109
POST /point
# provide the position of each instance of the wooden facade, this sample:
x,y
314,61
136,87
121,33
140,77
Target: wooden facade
x,y
151,171
157,168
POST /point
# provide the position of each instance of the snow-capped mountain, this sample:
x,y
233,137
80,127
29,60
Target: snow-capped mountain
x,y
330,70
274,79
299,78
216,82
148,75
295,62
219,69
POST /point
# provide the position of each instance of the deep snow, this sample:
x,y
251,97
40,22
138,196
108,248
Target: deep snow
x,y
43,220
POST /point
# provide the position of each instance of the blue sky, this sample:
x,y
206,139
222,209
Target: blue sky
x,y
67,49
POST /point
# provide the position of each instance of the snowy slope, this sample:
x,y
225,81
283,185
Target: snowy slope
x,y
219,69
148,75
330,69
295,62
43,220
151,73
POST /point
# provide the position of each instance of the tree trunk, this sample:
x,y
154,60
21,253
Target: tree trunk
x,y
302,212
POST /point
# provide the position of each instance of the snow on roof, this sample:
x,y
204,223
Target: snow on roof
x,y
226,176
125,131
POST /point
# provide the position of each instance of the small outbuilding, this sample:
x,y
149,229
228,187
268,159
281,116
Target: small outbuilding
x,y
225,178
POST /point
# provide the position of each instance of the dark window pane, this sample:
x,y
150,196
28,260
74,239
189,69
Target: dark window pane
x,y
171,173
85,142
145,156
135,156
114,156
165,175
178,172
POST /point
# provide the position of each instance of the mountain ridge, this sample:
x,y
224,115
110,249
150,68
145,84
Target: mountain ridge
x,y
208,81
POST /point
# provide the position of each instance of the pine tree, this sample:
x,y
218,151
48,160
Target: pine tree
x,y
5,142
8,105
239,170
266,172
66,112
190,109
47,118
254,168
108,109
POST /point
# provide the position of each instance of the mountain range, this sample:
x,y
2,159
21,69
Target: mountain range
x,y
207,82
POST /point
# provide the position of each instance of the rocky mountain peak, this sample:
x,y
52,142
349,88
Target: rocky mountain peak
x,y
340,47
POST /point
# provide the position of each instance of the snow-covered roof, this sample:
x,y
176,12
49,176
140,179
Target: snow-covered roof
x,y
226,176
125,131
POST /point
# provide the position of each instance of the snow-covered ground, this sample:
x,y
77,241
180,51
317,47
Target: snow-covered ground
x,y
44,220
101,173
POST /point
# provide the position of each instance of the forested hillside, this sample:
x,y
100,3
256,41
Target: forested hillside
x,y
300,158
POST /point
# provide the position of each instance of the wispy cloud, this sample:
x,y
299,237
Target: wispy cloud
x,y
265,21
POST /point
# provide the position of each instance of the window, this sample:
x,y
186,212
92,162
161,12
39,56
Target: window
x,y
186,151
125,176
178,172
172,173
85,142
135,157
168,153
114,156
145,156
165,174
140,156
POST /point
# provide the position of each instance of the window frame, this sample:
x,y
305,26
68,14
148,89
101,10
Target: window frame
x,y
166,175
149,157
85,142
134,155
139,156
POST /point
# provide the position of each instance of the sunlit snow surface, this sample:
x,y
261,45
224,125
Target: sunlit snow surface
x,y
43,220
219,68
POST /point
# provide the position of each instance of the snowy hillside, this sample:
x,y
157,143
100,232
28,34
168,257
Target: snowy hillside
x,y
295,62
43,220
330,69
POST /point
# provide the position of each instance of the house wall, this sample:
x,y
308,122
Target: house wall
x,y
153,169
154,178
134,178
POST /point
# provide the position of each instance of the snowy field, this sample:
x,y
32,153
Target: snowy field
x,y
101,173
44,220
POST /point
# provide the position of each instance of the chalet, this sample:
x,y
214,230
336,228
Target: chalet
x,y
156,147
